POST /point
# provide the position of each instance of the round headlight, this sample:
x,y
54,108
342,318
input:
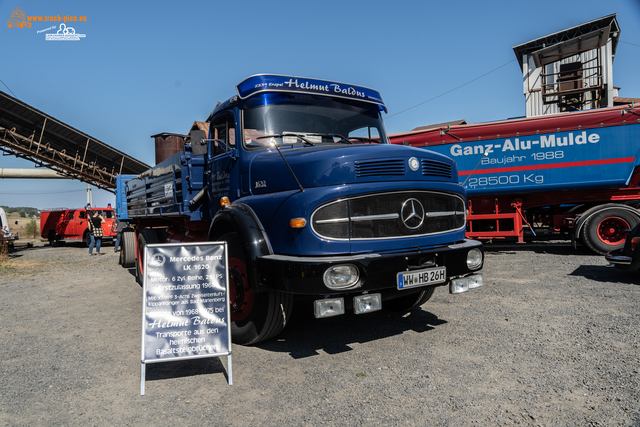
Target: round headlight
x,y
474,258
341,276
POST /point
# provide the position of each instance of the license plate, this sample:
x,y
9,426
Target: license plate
x,y
428,276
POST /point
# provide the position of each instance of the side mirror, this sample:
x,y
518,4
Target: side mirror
x,y
198,143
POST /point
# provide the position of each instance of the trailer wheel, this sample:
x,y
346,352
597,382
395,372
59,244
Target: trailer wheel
x,y
255,316
409,302
604,231
128,252
145,237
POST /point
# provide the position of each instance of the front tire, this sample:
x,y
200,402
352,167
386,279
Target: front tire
x,y
604,231
255,316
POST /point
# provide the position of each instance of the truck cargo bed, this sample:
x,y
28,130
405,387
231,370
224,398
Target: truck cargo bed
x,y
168,188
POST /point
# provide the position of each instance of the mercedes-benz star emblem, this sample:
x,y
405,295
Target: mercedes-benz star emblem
x,y
412,214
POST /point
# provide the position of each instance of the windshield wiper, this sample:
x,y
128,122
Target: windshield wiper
x,y
365,139
282,135
283,159
343,139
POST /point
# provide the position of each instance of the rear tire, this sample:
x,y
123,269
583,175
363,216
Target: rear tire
x,y
255,316
409,302
86,238
604,231
145,237
128,251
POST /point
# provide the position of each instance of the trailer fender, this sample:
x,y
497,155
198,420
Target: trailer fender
x,y
241,219
580,222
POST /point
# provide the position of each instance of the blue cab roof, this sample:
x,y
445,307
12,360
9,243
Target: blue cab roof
x,y
261,83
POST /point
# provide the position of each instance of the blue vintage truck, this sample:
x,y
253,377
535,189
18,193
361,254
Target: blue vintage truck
x,y
298,177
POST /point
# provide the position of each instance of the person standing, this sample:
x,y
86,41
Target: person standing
x,y
120,225
95,228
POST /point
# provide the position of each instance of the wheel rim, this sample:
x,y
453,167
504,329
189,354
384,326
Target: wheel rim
x,y
611,230
241,297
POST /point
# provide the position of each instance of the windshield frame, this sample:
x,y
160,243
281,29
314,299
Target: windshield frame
x,y
316,102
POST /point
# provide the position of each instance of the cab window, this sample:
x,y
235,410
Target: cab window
x,y
223,128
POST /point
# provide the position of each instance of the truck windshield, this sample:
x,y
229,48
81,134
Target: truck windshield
x,y
309,120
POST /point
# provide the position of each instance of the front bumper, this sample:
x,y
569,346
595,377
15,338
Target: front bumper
x,y
623,262
378,272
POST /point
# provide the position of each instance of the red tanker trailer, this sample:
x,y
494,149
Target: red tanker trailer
x,y
574,173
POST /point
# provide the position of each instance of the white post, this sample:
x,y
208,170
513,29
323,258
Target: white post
x,y
89,197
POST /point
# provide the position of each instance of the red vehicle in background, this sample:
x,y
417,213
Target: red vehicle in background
x,y
71,225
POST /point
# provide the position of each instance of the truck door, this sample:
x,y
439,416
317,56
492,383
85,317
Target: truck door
x,y
74,223
223,177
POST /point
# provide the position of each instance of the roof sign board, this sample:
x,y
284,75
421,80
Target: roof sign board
x,y
276,83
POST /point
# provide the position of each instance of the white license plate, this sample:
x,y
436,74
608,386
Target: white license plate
x,y
428,276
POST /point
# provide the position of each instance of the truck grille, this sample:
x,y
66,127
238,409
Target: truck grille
x,y
379,167
389,215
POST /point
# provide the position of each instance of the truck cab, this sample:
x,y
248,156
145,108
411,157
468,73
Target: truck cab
x,y
298,177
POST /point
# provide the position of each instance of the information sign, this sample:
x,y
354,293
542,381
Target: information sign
x,y
185,313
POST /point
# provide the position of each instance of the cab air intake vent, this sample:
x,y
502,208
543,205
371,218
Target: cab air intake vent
x,y
379,167
438,169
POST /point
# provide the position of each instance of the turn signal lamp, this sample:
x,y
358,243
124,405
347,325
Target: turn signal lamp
x,y
224,202
297,223
634,242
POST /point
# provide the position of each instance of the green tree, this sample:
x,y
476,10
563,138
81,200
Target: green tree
x,y
23,214
31,229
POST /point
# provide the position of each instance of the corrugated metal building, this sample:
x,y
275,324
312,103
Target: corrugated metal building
x,y
571,69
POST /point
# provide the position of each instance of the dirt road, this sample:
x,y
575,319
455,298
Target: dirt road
x,y
552,339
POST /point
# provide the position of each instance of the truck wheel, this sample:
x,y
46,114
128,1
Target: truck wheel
x,y
255,316
128,252
409,302
86,238
53,241
604,231
145,237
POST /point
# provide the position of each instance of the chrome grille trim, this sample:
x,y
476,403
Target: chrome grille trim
x,y
437,214
374,217
331,221
388,221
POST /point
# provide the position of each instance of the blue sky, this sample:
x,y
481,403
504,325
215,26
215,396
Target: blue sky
x,y
151,67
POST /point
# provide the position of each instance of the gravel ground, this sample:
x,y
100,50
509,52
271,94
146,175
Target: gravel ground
x,y
552,339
